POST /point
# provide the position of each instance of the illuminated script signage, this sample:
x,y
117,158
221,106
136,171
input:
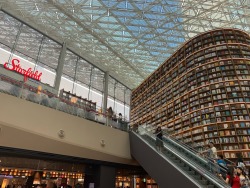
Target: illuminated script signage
x,y
15,66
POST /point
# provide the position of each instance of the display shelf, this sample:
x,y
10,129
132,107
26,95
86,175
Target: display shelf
x,y
78,100
204,84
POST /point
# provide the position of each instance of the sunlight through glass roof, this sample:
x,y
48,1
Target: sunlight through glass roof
x,y
128,38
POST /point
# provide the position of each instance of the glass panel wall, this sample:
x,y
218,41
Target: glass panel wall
x,y
31,48
9,28
28,43
82,77
97,86
40,53
127,103
50,53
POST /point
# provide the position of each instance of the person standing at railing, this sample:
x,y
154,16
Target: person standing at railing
x,y
159,143
119,117
119,120
109,116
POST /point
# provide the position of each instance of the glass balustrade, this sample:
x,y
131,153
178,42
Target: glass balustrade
x,y
49,99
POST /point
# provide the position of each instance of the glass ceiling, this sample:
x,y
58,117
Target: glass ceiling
x,y
128,38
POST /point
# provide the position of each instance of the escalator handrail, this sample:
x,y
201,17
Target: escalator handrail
x,y
192,152
215,180
197,153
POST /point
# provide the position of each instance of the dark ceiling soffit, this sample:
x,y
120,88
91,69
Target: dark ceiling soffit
x,y
16,152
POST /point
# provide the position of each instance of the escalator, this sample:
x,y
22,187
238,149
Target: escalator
x,y
176,166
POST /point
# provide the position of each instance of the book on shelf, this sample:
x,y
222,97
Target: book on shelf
x,y
242,124
246,154
244,131
227,133
233,155
230,147
225,147
245,146
226,154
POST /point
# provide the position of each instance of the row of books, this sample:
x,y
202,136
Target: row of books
x,y
218,127
244,88
244,138
220,133
231,147
222,110
244,146
229,154
222,90
234,114
216,66
244,71
246,154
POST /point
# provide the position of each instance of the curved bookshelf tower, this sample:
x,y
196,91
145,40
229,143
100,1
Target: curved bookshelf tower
x,y
202,93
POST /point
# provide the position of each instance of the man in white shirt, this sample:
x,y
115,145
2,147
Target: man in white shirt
x,y
212,156
212,151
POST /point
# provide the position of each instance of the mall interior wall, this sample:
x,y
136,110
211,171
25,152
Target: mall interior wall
x,y
29,126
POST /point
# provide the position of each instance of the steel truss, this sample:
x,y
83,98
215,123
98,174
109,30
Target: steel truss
x,y
128,38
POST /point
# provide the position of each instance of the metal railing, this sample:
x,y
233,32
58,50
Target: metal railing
x,y
183,145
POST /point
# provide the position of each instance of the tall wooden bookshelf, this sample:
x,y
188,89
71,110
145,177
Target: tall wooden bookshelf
x,y
202,93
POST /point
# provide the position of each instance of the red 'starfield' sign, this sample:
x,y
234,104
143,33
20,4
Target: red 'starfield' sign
x,y
15,66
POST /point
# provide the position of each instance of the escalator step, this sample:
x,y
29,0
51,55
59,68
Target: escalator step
x,y
210,186
186,168
176,161
192,172
197,176
182,164
203,182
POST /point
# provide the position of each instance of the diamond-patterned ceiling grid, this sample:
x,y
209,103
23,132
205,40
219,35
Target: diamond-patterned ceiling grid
x,y
129,38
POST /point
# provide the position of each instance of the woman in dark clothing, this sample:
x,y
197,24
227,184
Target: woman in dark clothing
x,y
158,143
109,116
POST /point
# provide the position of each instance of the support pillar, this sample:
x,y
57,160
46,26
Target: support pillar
x,y
59,70
114,95
105,93
75,74
90,80
124,110
133,182
39,52
100,177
